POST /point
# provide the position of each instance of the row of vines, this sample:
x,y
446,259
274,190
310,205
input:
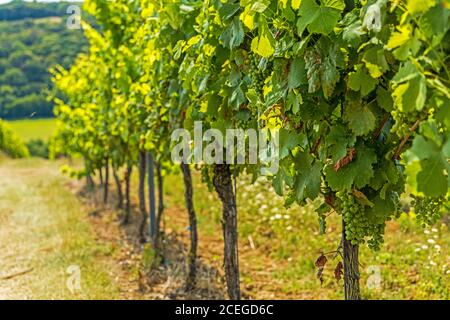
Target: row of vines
x,y
358,91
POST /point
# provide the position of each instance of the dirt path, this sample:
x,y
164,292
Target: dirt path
x,y
48,244
57,242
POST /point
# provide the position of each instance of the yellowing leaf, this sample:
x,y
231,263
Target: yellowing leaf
x,y
264,43
399,37
419,6
374,70
265,47
194,40
398,96
204,106
295,4
267,90
247,17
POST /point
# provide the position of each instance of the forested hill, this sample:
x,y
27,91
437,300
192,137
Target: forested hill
x,y
33,38
18,9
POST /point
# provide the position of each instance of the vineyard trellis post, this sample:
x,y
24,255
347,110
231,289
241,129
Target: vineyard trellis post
x,y
151,199
192,255
118,187
141,194
161,206
106,185
224,188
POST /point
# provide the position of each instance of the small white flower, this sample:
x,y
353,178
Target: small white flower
x,y
277,216
275,210
426,232
286,216
431,241
434,230
424,247
432,263
437,247
417,249
289,228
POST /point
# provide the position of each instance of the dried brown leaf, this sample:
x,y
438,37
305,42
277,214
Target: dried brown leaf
x,y
321,261
339,271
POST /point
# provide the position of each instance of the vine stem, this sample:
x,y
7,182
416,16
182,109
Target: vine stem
x,y
405,138
351,267
380,128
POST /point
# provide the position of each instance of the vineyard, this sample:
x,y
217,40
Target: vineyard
x,y
338,109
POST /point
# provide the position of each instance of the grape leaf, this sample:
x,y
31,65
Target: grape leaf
x,y
415,6
375,62
358,173
248,18
321,63
233,35
428,167
297,73
264,43
406,72
319,18
289,140
435,22
307,182
295,4
443,113
360,118
337,141
359,80
384,99
381,209
431,180
352,30
283,176
399,37
411,94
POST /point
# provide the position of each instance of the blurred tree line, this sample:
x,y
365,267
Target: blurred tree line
x,y
18,9
33,38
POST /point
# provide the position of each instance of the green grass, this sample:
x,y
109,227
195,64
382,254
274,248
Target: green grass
x,y
413,263
30,129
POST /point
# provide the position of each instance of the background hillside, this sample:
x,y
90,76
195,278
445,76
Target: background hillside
x,y
33,38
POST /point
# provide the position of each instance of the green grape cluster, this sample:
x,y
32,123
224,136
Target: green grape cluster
x,y
428,209
357,226
376,232
257,74
401,124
